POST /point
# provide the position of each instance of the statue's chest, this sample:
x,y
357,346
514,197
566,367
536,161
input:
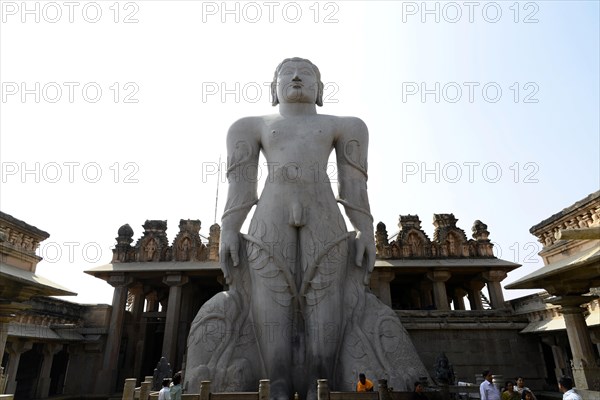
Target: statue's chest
x,y
305,135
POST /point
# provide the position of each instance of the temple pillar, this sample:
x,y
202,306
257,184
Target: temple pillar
x,y
493,279
585,368
415,299
559,356
440,297
43,387
385,294
152,299
133,356
7,313
458,298
107,377
3,337
425,292
169,348
374,282
15,349
474,294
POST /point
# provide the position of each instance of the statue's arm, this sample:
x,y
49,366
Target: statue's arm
x,y
351,148
243,148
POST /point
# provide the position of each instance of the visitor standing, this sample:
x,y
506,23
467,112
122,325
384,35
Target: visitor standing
x,y
487,390
364,385
165,393
565,385
175,390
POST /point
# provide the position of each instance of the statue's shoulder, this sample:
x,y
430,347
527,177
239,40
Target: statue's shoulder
x,y
247,123
247,127
350,127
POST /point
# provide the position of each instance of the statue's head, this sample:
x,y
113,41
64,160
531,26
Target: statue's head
x,y
319,100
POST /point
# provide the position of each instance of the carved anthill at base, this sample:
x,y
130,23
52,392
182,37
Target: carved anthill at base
x,y
222,344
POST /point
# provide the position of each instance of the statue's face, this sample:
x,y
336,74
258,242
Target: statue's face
x,y
297,83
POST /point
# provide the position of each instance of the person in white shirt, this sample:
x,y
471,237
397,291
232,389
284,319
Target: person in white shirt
x,y
565,385
165,392
487,390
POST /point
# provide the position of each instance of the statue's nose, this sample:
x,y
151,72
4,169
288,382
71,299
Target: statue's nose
x,y
296,78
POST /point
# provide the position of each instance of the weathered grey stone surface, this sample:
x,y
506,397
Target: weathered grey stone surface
x,y
298,308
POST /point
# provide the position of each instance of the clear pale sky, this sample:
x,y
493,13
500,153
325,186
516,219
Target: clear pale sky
x,y
488,110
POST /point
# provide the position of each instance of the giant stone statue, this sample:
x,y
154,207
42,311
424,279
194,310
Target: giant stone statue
x,y
298,306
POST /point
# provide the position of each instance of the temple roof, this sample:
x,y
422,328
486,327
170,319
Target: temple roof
x,y
24,225
144,267
581,266
450,263
29,282
565,211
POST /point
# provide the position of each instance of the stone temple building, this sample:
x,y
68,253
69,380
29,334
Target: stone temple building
x,y
435,285
566,316
42,339
446,290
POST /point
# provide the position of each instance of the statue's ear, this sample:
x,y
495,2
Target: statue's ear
x,y
274,98
320,94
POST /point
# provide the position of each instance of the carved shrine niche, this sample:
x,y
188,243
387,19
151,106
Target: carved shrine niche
x,y
187,245
153,246
449,241
412,241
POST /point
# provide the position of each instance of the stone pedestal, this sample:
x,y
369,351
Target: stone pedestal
x,y
129,389
204,390
384,391
264,389
322,389
145,389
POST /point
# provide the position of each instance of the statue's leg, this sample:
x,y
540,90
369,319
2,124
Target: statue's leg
x,y
271,266
324,262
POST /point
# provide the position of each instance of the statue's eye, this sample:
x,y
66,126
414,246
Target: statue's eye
x,y
286,71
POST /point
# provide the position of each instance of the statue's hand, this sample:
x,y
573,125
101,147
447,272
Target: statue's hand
x,y
365,254
229,249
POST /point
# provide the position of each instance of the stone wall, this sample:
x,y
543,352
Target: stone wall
x,y
84,363
477,340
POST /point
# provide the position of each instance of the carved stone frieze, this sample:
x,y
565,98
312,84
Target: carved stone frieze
x,y
154,246
448,241
19,240
583,214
